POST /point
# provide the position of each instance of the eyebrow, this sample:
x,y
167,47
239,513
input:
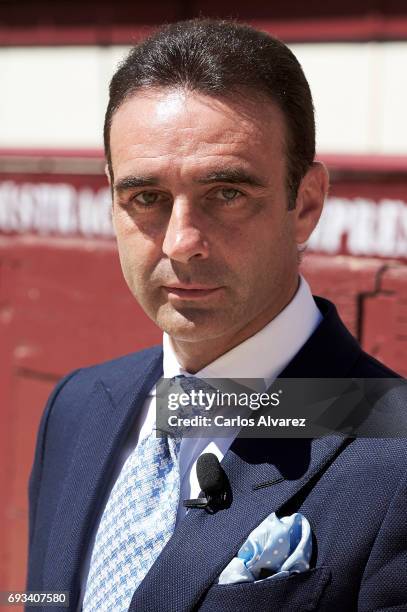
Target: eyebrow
x,y
231,175
131,182
238,176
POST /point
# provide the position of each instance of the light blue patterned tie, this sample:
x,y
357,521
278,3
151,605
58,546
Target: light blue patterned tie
x,y
138,520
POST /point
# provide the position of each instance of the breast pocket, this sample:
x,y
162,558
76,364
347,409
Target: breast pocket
x,y
295,593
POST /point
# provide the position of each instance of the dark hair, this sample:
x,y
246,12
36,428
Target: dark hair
x,y
222,58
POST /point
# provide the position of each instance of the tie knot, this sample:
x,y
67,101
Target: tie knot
x,y
189,397
192,383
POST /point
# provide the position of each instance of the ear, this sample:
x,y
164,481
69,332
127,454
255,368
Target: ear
x,y
109,180
108,175
310,201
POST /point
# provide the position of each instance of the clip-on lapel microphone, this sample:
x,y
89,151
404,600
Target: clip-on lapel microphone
x,y
213,482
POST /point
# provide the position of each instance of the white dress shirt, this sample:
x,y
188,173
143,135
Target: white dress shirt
x,y
262,356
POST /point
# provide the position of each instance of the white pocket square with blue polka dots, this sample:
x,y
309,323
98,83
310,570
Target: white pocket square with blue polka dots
x,y
277,547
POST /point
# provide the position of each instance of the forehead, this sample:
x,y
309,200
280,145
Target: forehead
x,y
174,128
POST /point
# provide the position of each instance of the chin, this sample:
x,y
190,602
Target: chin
x,y
191,325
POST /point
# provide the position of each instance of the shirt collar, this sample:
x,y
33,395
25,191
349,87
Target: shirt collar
x,y
265,354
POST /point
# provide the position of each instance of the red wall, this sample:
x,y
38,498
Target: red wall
x,y
104,22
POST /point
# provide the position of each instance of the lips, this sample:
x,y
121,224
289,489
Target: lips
x,y
191,291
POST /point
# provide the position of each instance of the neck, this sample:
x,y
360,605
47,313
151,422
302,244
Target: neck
x,y
194,356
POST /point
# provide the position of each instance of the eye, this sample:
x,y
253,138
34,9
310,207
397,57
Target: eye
x,y
227,194
148,198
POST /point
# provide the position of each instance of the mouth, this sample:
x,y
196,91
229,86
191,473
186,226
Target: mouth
x,y
188,292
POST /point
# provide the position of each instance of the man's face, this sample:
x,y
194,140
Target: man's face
x,y
206,243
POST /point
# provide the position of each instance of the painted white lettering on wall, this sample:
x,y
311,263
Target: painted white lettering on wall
x,y
357,226
54,208
360,226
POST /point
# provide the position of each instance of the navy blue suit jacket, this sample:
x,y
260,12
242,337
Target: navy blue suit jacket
x,y
352,491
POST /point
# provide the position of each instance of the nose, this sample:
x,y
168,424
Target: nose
x,y
184,238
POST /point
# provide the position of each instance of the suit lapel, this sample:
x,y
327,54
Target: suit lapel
x,y
101,434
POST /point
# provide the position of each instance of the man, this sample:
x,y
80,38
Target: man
x,y
210,145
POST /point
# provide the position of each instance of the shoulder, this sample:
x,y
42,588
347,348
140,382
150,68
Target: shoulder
x,y
72,395
380,447
368,367
113,372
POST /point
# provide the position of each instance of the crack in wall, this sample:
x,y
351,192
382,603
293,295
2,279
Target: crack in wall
x,y
361,298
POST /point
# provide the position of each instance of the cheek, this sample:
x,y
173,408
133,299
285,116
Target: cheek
x,y
138,256
124,223
269,255
136,237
